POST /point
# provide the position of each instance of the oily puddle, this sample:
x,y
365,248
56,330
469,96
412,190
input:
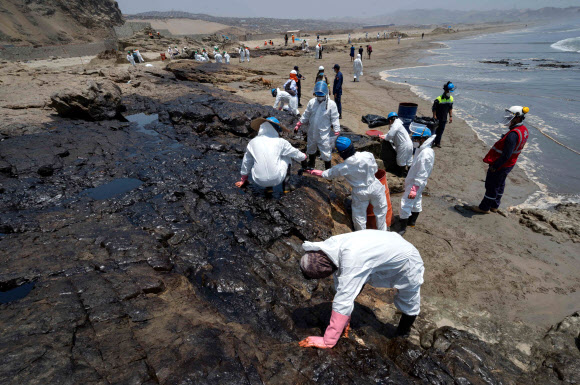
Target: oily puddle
x,y
142,121
112,189
11,293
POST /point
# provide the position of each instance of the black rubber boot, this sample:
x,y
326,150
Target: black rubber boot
x,y
404,328
403,226
413,219
311,161
327,165
286,185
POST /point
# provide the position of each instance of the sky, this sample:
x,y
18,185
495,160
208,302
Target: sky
x,y
309,9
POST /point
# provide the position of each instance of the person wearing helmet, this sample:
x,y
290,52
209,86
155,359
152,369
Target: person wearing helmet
x,y
379,258
218,57
502,158
322,117
401,142
357,68
284,101
299,83
291,87
317,48
226,58
359,169
443,106
130,58
321,76
416,179
247,54
268,157
242,53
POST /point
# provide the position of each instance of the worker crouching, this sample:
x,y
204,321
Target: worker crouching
x,y
359,169
383,259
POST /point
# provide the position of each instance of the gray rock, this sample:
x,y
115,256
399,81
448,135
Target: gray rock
x,y
99,100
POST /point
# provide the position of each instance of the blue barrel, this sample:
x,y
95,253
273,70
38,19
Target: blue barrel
x,y
407,112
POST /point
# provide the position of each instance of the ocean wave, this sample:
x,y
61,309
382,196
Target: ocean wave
x,y
568,45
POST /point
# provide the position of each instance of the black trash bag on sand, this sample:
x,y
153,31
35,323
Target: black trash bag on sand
x,y
431,123
374,120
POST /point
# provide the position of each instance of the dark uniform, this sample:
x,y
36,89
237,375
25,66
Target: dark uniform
x,y
441,107
337,91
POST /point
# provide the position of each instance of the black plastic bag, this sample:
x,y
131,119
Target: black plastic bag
x,y
431,123
375,120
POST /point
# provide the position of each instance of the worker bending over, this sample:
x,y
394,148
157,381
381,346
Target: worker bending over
x,y
416,179
401,141
321,114
285,101
359,170
383,259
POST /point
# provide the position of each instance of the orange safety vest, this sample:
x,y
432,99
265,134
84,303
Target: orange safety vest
x,y
496,151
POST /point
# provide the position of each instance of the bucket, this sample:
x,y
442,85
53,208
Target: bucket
x,y
381,175
407,112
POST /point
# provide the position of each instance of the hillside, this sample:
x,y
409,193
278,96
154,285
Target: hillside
x,y
50,22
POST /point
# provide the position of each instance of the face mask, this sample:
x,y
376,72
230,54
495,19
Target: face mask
x,y
447,94
416,145
321,98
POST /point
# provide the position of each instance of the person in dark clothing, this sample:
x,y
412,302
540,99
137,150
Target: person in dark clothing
x,y
321,49
502,158
352,53
337,89
422,35
369,51
298,83
360,52
286,39
443,106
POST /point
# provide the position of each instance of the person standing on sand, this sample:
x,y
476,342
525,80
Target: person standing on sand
x,y
349,41
360,51
248,54
226,58
399,39
357,68
131,58
299,84
337,89
317,51
217,57
242,53
286,40
443,106
292,38
502,158
369,50
321,49
352,52
321,114
379,258
401,141
367,36
422,35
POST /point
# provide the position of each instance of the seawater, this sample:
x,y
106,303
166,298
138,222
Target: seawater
x,y
485,90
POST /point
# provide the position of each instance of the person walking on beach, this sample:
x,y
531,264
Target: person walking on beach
x,y
422,35
268,158
352,52
369,51
416,180
443,106
359,169
286,40
379,258
502,158
299,84
357,68
322,117
337,89
401,141
360,51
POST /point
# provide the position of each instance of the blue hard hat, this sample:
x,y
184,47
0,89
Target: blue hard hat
x,y
342,143
449,86
273,120
419,131
391,114
321,88
274,92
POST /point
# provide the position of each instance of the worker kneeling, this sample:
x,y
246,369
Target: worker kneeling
x,y
268,157
383,259
417,177
285,101
359,169
322,115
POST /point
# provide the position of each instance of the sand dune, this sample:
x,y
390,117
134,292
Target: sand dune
x,y
185,26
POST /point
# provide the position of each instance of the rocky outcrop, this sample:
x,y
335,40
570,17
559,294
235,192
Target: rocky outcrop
x,y
212,72
561,221
100,100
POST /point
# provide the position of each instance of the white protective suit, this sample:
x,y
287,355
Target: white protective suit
x,y
402,143
248,55
218,58
418,174
321,118
383,259
131,59
268,156
205,56
283,99
359,171
357,67
141,60
242,55
317,51
227,58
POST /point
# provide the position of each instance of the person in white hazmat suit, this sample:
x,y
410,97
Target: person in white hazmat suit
x,y
268,158
131,58
357,68
417,177
141,60
226,58
285,101
248,54
218,57
401,141
242,53
322,117
317,48
359,170
379,258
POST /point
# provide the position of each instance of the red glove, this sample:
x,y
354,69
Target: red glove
x,y
413,193
338,323
383,136
315,172
298,125
242,181
336,133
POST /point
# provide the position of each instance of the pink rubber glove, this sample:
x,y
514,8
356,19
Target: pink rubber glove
x,y
383,136
336,133
338,323
242,181
413,193
298,125
315,172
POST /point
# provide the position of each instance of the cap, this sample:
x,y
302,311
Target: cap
x,y
336,66
321,68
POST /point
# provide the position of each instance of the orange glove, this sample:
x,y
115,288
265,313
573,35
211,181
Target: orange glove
x,y
242,181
